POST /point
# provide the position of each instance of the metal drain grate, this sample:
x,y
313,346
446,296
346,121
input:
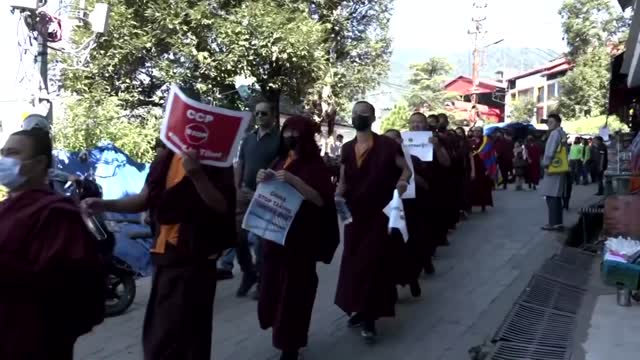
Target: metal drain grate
x,y
575,257
537,326
550,294
564,273
515,351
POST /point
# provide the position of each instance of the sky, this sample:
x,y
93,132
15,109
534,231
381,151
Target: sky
x,y
443,24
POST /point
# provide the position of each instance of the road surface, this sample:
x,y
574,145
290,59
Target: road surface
x,y
490,260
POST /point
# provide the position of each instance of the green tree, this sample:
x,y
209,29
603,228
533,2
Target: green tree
x,y
591,28
426,82
523,110
87,123
398,117
359,48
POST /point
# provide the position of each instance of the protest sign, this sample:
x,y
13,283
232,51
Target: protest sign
x,y
411,189
272,210
395,211
214,132
419,144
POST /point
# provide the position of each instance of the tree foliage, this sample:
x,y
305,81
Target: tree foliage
x,y
87,123
522,110
329,51
397,118
591,28
426,82
359,48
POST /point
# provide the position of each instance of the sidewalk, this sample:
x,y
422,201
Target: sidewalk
x,y
478,278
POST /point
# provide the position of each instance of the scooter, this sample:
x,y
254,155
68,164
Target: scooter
x,y
120,277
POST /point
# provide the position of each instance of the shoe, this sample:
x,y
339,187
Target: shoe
x,y
256,294
355,321
429,269
248,280
416,291
224,274
369,333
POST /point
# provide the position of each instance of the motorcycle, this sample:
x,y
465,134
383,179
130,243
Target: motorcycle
x,y
120,286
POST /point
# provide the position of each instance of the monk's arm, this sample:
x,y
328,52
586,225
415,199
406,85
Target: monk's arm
x,y
443,156
307,191
211,196
402,164
342,186
130,205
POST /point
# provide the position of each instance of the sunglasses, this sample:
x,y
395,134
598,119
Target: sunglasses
x,y
262,113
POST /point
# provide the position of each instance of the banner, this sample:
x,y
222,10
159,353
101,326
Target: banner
x,y
418,144
272,210
395,211
215,132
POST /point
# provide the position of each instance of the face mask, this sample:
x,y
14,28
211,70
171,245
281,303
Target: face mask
x,y
10,173
360,122
290,142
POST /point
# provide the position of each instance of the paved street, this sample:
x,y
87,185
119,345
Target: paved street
x,y
491,259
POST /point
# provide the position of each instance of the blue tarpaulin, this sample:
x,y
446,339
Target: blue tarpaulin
x,y
119,176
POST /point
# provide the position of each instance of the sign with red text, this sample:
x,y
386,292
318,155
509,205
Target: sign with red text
x,y
272,210
214,132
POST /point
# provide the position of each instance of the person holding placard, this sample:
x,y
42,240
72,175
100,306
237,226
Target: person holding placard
x,y
289,281
413,253
435,173
373,167
193,206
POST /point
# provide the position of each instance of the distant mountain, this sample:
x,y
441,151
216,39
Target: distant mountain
x,y
508,59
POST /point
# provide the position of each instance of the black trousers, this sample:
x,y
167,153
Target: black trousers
x,y
554,206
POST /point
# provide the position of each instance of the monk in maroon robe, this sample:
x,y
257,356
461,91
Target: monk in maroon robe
x,y
453,173
482,183
194,210
413,252
373,167
534,156
51,275
289,281
436,174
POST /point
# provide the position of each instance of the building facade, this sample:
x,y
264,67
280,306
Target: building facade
x,y
540,85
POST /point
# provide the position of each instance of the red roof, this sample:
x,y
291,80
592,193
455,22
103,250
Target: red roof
x,y
463,85
552,67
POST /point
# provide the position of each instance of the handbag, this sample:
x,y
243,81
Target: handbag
x,y
560,162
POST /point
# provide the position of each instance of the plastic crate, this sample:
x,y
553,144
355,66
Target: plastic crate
x,y
617,273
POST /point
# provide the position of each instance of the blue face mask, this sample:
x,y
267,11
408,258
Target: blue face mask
x,y
10,173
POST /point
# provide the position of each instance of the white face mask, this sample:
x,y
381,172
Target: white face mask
x,y
10,173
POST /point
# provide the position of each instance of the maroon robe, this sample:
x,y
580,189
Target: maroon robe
x,y
367,282
452,187
504,155
534,155
482,184
288,281
415,252
178,320
51,277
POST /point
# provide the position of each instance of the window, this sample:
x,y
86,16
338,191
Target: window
x,y
551,91
558,89
513,96
525,94
540,94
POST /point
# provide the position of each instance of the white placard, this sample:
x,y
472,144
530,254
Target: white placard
x,y
395,211
419,144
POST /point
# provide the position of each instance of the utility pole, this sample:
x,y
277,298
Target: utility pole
x,y
478,33
42,60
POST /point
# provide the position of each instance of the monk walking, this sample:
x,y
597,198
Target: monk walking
x,y
194,209
373,166
289,281
51,275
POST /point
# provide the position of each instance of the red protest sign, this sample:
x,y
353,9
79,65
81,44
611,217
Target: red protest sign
x,y
213,131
